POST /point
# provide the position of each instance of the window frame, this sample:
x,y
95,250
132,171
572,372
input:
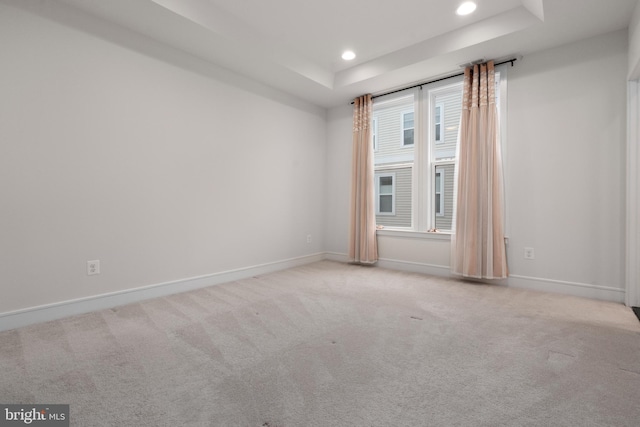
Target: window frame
x,y
423,216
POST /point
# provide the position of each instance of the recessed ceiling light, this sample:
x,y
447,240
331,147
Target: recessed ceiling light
x,y
348,55
466,8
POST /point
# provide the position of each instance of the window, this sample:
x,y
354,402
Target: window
x,y
385,194
437,123
439,192
394,158
418,193
374,131
407,128
443,195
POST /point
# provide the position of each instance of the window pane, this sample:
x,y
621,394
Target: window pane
x,y
408,136
374,127
443,199
386,203
408,120
439,209
447,119
438,123
386,185
407,126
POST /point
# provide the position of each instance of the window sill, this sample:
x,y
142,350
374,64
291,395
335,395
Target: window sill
x,y
411,234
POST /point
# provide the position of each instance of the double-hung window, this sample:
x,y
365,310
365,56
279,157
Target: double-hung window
x,y
407,128
385,193
416,139
437,124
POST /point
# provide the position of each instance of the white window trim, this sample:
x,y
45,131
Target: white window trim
x,y
402,128
411,234
393,193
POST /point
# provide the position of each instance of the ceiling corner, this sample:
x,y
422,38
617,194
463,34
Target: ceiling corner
x,y
536,7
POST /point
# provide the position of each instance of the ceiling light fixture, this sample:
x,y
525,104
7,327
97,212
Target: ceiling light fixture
x,y
466,8
348,55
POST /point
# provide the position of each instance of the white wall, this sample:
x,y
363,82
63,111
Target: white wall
x,y
338,178
160,166
565,174
634,44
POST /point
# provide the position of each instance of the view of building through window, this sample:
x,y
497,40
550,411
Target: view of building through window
x,y
394,157
416,135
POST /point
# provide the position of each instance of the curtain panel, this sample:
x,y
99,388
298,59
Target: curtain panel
x,y
477,243
363,247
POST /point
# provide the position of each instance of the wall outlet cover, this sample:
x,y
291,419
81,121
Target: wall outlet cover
x,y
93,267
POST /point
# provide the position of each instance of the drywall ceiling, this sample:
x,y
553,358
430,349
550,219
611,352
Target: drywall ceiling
x,y
295,45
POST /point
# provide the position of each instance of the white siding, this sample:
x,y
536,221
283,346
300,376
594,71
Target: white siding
x,y
451,100
389,133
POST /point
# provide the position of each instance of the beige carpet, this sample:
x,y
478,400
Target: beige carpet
x,y
330,344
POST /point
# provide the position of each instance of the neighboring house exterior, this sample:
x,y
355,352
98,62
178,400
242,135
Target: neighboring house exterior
x,y
394,143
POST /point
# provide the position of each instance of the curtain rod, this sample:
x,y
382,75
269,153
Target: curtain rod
x,y
511,61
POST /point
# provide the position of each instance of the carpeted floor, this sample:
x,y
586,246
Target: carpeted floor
x,y
330,344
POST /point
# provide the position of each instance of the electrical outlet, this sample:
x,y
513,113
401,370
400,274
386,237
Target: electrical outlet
x,y
529,253
93,267
308,238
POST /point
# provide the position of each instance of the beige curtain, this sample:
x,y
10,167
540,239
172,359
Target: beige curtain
x,y
363,247
478,247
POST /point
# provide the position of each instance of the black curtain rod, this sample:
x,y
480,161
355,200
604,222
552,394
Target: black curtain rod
x,y
508,61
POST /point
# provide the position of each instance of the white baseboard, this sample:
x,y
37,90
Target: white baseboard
x,y
584,290
394,264
336,256
45,313
414,267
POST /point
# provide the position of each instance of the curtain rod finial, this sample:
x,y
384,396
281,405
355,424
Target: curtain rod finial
x,y
515,58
